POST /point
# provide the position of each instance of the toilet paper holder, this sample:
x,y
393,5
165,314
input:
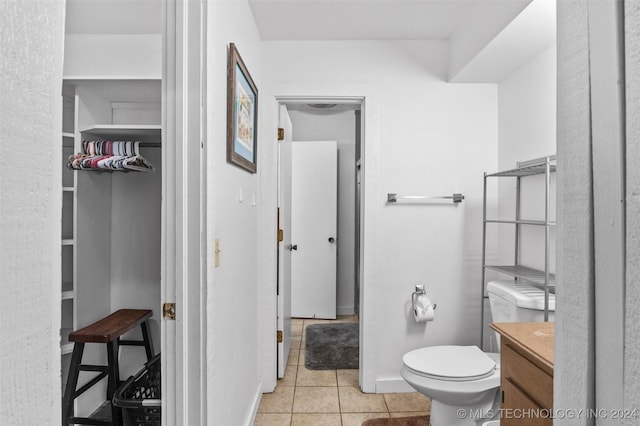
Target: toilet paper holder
x,y
419,291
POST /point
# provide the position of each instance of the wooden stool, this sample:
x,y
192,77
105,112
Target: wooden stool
x,y
107,330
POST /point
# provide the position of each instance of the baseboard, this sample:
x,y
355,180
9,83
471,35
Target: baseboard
x,y
345,310
254,406
393,385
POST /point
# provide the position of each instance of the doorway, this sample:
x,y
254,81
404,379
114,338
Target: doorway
x,y
326,119
163,250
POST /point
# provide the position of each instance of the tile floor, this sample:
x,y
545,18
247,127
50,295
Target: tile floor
x,y
328,397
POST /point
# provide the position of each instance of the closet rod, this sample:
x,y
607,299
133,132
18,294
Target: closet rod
x,y
150,145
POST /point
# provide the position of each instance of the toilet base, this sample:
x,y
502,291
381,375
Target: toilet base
x,y
448,415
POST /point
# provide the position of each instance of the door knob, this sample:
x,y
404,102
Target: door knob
x,y
332,240
292,247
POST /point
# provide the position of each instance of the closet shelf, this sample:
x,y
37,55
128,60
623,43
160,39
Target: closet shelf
x,y
92,78
67,242
66,347
67,295
68,135
110,131
531,275
68,189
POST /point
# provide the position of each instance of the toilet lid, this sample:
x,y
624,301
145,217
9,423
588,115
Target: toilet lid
x,y
452,363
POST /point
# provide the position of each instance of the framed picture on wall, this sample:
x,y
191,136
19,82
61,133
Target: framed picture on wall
x,y
242,114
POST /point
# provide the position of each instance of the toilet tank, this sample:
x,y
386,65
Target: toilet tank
x,y
516,301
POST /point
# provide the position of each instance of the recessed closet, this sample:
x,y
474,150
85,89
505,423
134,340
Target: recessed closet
x,y
111,220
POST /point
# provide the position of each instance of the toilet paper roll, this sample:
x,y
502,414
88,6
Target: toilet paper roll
x,y
423,309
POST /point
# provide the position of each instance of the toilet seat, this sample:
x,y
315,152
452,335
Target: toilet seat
x,y
450,363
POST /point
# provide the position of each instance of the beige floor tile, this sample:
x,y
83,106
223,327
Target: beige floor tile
x,y
316,377
279,401
272,419
407,402
316,397
295,342
316,420
356,419
348,378
352,400
290,375
296,329
410,414
294,354
316,400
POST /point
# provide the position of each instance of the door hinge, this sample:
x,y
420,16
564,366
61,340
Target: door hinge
x,y
169,311
280,235
279,338
280,134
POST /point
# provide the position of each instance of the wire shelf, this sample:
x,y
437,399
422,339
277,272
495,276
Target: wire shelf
x,y
529,168
531,275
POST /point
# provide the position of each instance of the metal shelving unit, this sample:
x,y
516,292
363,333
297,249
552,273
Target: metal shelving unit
x,y
542,279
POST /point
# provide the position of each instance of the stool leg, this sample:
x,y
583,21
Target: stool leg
x,y
114,381
72,382
146,336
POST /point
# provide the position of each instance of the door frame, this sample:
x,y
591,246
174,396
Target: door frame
x,y
367,337
184,251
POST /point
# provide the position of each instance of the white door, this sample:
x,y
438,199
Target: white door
x,y
284,254
313,229
184,279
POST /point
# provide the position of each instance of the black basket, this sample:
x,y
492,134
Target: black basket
x,y
139,397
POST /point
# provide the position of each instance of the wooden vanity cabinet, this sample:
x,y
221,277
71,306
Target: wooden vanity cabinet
x,y
526,373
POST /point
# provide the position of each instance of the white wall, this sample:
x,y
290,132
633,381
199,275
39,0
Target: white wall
x,y
30,211
527,111
632,322
527,130
341,127
135,251
92,55
234,196
422,137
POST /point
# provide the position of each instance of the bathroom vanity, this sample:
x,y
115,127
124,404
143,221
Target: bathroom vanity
x,y
526,369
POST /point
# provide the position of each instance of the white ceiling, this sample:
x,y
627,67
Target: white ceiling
x,y
530,33
487,38
358,19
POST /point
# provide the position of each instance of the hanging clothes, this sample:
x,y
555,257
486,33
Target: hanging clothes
x,y
110,156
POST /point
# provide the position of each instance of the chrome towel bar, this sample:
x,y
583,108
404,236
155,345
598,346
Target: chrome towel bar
x,y
393,198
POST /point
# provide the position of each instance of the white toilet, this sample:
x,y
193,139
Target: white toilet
x,y
462,381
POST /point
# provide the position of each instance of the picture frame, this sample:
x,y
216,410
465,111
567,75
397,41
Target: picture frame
x,y
242,114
